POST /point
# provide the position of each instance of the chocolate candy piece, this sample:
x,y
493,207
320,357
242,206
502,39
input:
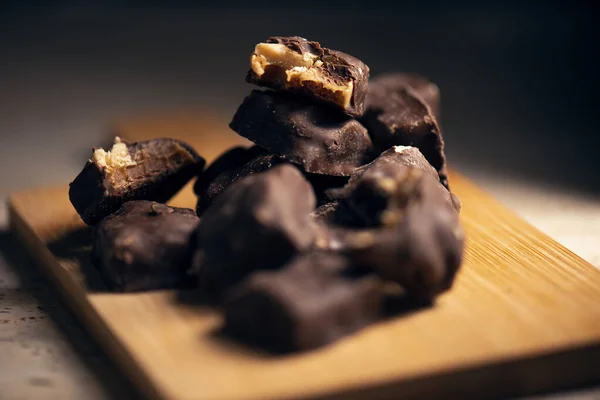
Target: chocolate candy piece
x,y
337,213
310,302
421,244
423,87
317,139
143,246
456,201
227,169
151,170
376,190
326,187
227,161
297,65
399,156
259,222
398,116
334,222
368,197
240,162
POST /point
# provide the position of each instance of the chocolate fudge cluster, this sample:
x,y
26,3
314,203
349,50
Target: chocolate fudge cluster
x,y
299,238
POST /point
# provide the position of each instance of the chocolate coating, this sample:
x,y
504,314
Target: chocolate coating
x,y
317,139
456,201
143,246
229,160
423,87
259,222
422,250
326,187
398,116
330,76
163,167
240,162
227,169
336,224
337,213
378,188
310,302
372,197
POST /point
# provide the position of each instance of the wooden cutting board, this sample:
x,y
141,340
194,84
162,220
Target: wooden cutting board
x,y
524,315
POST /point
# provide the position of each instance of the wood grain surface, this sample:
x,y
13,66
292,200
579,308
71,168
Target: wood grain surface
x,y
524,315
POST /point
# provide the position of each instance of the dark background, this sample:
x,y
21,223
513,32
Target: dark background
x,y
519,79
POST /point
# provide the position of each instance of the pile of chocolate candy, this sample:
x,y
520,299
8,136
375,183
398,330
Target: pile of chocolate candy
x,y
301,238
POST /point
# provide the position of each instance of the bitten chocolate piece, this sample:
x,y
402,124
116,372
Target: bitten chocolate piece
x,y
376,190
310,302
420,245
143,246
259,222
151,170
423,87
319,140
398,116
297,65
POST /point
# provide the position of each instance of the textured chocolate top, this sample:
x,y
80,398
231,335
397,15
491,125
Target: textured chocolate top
x,y
259,222
421,86
298,44
376,186
318,139
310,302
398,116
240,162
227,169
143,246
162,167
422,248
331,73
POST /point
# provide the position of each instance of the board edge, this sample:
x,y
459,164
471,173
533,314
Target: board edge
x,y
80,305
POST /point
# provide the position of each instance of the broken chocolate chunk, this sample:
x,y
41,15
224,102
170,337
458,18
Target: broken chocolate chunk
x,y
421,243
309,303
423,87
297,65
151,170
317,139
398,116
143,246
377,190
259,222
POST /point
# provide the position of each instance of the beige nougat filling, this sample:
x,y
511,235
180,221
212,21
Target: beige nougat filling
x,y
277,54
116,158
300,69
123,171
114,163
